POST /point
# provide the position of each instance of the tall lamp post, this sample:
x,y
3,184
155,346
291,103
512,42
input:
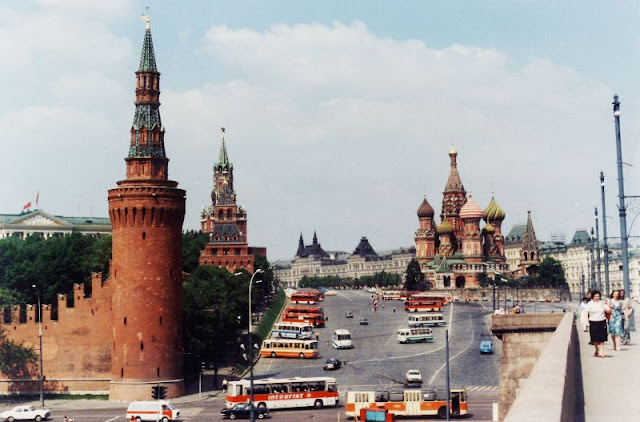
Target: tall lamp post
x,y
252,416
40,336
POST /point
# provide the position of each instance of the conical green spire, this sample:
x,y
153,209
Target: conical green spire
x,y
148,57
223,158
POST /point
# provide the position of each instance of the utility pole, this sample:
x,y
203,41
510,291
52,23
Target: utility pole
x,y
598,272
622,208
605,245
592,282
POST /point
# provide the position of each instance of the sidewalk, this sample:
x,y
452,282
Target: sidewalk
x,y
610,385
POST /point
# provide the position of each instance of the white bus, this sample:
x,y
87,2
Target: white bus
x,y
414,335
426,320
292,330
341,339
281,393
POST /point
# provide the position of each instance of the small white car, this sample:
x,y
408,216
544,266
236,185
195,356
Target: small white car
x,y
413,375
20,413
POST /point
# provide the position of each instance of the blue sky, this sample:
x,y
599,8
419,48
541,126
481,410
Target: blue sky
x,y
339,114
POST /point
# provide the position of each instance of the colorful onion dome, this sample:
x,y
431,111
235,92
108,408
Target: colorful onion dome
x,y
425,210
489,228
445,228
493,212
470,209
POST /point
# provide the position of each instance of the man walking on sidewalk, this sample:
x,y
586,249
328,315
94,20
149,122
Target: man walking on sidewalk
x,y
627,312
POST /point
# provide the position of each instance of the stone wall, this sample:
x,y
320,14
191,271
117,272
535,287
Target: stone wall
x,y
524,337
76,347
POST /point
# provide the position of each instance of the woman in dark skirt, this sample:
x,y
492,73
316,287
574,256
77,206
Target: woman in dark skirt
x,y
597,323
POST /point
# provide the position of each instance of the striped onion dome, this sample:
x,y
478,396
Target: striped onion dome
x,y
445,228
493,212
425,210
470,209
489,228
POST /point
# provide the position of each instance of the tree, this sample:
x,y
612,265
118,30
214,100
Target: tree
x,y
414,279
551,273
215,312
192,243
16,360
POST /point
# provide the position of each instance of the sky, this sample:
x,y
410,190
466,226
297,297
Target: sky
x,y
339,115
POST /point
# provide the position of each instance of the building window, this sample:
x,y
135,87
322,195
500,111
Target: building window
x,y
158,372
125,320
142,345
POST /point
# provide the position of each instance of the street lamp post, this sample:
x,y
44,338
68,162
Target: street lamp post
x,y
252,417
40,336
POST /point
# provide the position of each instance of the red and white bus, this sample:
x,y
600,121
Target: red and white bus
x,y
444,297
423,305
289,348
309,297
308,315
407,402
284,393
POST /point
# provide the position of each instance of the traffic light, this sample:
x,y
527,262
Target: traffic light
x,y
158,392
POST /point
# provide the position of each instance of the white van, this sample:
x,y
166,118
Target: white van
x,y
341,339
157,410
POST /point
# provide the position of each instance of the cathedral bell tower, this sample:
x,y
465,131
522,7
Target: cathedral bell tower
x,y
146,212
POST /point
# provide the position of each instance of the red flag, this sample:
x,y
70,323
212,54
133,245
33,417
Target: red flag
x,y
37,197
26,206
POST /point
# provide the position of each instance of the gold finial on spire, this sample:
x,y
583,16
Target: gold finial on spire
x,y
453,149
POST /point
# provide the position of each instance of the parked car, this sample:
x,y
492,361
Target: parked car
x,y
20,413
364,321
348,314
486,347
243,410
413,375
332,364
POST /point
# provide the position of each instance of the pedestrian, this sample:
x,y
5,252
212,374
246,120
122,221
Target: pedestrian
x,y
615,321
597,323
627,312
65,418
383,306
394,309
584,314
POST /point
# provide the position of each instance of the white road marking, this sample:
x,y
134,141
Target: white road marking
x,y
112,419
456,355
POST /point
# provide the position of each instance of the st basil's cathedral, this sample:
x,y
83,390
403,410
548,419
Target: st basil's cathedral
x,y
457,252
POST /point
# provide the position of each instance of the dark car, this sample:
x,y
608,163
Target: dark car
x,y
242,411
364,321
332,363
348,314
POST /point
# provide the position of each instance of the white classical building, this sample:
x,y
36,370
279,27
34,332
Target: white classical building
x,y
40,223
313,261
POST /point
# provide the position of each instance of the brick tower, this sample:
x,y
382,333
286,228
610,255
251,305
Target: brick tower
x,y
146,212
225,221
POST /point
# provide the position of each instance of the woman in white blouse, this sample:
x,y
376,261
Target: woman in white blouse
x,y
597,323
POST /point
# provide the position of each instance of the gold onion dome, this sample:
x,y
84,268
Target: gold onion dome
x,y
489,228
493,212
445,228
470,209
425,210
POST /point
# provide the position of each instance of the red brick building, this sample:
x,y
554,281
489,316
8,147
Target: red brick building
x,y
226,222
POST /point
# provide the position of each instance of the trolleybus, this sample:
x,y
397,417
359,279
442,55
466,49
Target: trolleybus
x,y
408,402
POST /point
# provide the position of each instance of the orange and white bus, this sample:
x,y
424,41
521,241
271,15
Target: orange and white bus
x,y
289,348
408,402
309,297
423,305
284,393
444,297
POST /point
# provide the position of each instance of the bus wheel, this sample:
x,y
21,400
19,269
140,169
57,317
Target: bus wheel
x,y
301,355
318,404
442,412
165,419
273,354
262,404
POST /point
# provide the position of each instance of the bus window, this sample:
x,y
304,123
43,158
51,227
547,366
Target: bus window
x,y
331,387
382,396
316,385
396,396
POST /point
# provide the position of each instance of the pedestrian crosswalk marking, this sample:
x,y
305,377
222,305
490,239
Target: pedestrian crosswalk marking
x,y
482,388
